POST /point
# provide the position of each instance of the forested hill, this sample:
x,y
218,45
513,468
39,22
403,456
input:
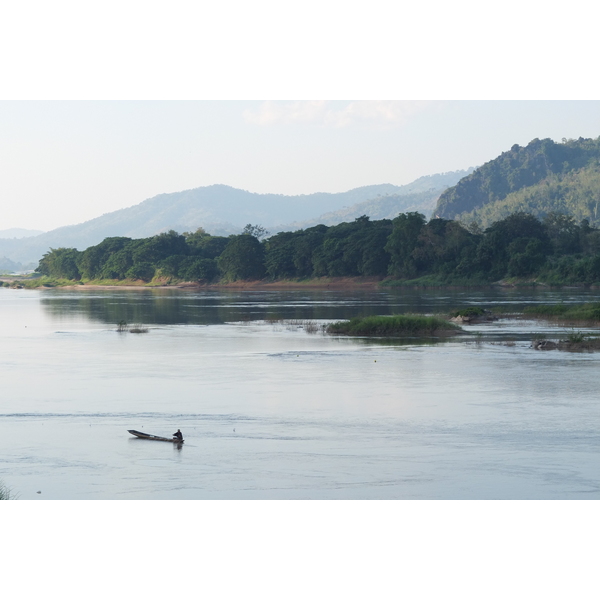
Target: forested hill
x,y
540,178
223,210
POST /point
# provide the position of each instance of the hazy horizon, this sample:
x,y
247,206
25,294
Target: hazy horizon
x,y
66,162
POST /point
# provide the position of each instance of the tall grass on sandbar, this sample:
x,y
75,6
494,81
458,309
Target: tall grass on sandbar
x,y
588,311
396,325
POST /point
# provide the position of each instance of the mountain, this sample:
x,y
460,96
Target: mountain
x,y
9,266
19,233
419,196
540,178
219,209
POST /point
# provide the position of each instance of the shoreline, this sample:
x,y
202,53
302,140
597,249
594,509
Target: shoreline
x,y
324,283
340,283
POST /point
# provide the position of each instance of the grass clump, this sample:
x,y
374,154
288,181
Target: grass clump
x,y
6,492
577,341
588,311
308,325
576,337
39,282
396,325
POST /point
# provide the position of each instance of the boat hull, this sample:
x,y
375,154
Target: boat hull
x,y
156,438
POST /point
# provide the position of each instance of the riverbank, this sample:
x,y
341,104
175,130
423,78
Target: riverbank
x,y
337,283
333,283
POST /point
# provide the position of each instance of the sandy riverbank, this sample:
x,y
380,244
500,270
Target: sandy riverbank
x,y
337,283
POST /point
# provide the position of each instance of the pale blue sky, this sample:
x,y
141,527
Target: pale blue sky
x,y
64,162
95,138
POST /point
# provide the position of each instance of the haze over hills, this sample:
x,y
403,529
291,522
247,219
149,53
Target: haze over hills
x,y
540,178
223,210
419,196
18,233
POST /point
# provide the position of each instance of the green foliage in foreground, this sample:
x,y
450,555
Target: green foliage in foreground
x,y
588,311
396,325
6,492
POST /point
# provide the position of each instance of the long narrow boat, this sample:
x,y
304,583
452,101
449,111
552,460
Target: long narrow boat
x,y
147,436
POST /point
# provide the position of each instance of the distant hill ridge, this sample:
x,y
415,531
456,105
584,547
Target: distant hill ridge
x,y
219,209
419,196
540,178
17,232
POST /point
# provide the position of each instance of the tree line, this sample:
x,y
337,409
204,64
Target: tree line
x,y
556,249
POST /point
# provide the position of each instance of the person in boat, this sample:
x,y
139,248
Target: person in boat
x,y
178,435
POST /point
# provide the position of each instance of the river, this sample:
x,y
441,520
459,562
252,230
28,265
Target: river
x,y
270,410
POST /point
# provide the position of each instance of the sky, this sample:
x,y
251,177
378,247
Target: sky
x,y
103,105
65,162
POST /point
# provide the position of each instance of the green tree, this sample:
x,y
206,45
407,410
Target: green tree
x,y
169,267
563,232
117,265
258,231
441,246
401,243
243,258
91,261
305,244
158,247
60,262
193,268
207,246
526,256
279,255
141,270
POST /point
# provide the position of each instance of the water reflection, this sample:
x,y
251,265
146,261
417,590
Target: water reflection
x,y
272,413
206,307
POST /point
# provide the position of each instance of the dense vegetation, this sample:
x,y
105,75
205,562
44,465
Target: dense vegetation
x,y
556,250
588,311
396,325
6,492
540,178
576,194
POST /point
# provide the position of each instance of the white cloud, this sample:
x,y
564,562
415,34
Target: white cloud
x,y
367,112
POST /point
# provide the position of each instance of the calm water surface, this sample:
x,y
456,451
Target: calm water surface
x,y
271,411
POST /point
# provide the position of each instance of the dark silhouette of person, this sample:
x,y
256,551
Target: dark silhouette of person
x,y
178,435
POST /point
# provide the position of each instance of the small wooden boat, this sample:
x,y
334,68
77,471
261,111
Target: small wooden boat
x,y
158,438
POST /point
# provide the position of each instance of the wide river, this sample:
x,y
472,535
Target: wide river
x,y
270,410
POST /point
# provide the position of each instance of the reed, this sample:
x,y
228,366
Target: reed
x,y
6,492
